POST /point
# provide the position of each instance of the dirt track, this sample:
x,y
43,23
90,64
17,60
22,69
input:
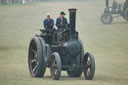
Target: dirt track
x,y
108,43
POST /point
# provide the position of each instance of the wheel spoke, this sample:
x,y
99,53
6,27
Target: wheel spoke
x,y
34,52
53,74
55,66
52,71
34,68
88,72
89,62
89,65
34,61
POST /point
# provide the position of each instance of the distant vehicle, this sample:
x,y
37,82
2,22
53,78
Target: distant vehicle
x,y
60,50
116,9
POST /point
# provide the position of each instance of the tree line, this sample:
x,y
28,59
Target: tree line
x,y
16,1
27,1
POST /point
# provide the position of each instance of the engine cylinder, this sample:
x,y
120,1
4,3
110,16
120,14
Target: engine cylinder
x,y
72,48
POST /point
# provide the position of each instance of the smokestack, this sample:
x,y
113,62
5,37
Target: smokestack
x,y
72,20
107,3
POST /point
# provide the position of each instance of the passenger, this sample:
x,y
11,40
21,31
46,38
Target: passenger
x,y
61,22
48,22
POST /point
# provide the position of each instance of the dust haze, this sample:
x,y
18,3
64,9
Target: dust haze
x,y
108,43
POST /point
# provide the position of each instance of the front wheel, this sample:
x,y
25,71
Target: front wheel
x,y
89,66
55,66
106,18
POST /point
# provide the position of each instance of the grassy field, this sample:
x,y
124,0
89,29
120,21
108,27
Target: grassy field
x,y
108,43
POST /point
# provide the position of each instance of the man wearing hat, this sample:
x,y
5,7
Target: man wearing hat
x,y
48,22
61,22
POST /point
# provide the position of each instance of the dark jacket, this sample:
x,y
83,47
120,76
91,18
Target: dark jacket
x,y
59,22
48,24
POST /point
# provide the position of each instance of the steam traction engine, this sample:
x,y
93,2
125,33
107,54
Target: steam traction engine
x,y
116,9
60,50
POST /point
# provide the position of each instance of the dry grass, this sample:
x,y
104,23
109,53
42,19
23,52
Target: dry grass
x,y
108,43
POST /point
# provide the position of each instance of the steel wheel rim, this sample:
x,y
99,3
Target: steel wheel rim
x,y
53,67
87,66
33,58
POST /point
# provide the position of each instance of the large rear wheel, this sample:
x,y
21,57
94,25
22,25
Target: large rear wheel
x,y
36,60
89,66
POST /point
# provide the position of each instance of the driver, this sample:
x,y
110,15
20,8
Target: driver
x,y
114,5
61,22
48,22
